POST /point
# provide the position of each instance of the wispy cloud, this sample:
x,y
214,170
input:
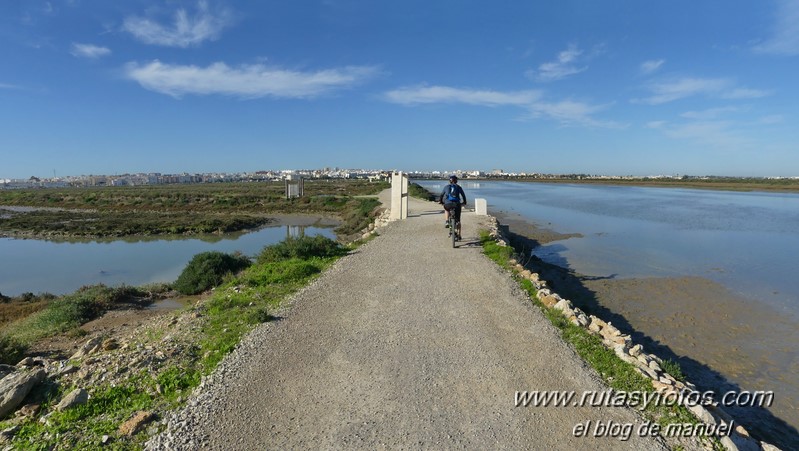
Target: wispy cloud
x,y
416,95
746,93
88,51
669,91
566,63
8,86
566,112
186,30
784,36
245,81
648,67
570,112
720,134
710,113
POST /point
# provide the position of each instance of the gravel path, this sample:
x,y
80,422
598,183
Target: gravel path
x,y
407,343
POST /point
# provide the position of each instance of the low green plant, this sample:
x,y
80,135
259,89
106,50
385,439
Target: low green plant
x,y
208,269
304,247
416,190
70,311
11,350
672,367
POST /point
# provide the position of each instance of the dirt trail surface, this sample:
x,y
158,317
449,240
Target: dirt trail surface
x,y
406,343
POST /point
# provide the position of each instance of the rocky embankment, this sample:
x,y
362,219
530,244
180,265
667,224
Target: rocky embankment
x,y
38,387
648,365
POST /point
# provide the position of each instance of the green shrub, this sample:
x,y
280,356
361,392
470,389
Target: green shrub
x,y
303,248
11,350
207,270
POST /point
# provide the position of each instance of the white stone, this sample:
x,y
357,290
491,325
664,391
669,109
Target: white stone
x,y
563,304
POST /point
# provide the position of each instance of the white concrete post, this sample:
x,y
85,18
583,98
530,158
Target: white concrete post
x,y
404,196
399,196
480,207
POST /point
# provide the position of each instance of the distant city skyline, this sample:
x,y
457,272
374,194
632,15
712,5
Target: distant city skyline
x,y
200,86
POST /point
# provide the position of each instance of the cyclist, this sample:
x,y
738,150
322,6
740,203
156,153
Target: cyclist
x,y
450,197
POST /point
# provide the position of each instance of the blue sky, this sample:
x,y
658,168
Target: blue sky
x,y
620,87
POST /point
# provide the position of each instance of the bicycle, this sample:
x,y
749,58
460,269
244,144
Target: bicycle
x,y
454,227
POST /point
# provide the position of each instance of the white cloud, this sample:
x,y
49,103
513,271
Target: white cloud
x,y
88,51
8,86
566,112
724,88
745,93
570,112
710,113
722,134
784,36
185,31
566,64
656,124
648,67
416,95
686,87
772,119
246,81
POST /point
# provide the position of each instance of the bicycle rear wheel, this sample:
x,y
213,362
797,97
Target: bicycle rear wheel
x,y
452,231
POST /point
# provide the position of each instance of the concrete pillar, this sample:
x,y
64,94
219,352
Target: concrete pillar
x,y
480,207
399,196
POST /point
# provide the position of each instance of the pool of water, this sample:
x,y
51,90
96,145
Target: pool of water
x,y
59,267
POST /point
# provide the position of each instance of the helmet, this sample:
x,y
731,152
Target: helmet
x,y
453,178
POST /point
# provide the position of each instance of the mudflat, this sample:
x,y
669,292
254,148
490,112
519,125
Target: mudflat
x,y
723,342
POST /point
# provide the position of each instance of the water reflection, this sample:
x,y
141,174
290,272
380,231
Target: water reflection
x,y
58,267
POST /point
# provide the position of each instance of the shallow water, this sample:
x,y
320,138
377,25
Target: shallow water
x,y
58,267
745,241
649,249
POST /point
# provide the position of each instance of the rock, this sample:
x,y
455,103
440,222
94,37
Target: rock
x,y
28,410
702,414
6,370
665,380
110,344
768,447
534,277
654,365
563,305
7,434
15,387
134,425
636,350
26,362
739,443
661,387
69,369
582,320
105,440
526,273
549,301
87,348
543,292
74,398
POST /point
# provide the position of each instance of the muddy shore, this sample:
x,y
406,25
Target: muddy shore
x,y
722,341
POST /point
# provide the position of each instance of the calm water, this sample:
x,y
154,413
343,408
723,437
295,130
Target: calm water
x,y
62,267
745,241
